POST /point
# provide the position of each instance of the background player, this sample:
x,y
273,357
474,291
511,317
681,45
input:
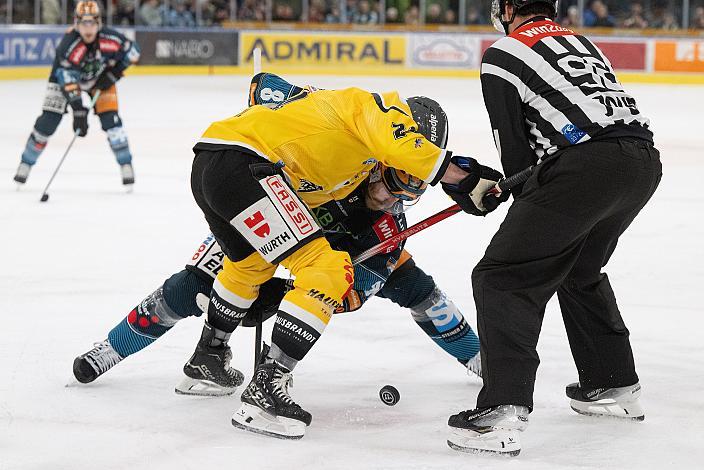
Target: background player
x,y
89,58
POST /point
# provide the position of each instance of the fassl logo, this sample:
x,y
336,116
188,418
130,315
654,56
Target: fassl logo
x,y
295,213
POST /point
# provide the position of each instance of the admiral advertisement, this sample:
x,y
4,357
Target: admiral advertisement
x,y
188,47
29,47
449,51
324,51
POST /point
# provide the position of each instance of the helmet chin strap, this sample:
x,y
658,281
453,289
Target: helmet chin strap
x,y
507,23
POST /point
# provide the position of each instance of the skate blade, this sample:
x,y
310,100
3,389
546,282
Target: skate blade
x,y
253,419
498,442
469,450
202,388
609,410
129,188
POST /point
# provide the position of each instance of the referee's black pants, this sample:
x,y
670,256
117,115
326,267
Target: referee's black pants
x,y
556,237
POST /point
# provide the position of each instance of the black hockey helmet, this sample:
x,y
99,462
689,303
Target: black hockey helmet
x,y
431,119
499,6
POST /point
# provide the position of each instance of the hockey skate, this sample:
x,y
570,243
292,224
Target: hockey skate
x,y
22,173
492,430
267,407
208,371
91,365
619,402
127,173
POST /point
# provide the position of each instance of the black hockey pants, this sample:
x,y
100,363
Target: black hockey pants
x,y
556,237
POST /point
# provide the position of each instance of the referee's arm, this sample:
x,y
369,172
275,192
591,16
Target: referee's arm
x,y
504,106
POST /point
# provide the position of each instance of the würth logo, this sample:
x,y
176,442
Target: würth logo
x,y
294,212
257,225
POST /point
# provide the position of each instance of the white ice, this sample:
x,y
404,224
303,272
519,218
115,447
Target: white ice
x,y
73,268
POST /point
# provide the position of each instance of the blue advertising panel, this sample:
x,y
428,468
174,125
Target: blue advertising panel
x,y
28,47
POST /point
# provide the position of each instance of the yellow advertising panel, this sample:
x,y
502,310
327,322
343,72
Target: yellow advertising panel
x,y
679,56
316,51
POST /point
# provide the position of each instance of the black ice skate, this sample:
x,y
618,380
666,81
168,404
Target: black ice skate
x,y
492,430
91,365
22,173
127,173
267,407
208,371
619,402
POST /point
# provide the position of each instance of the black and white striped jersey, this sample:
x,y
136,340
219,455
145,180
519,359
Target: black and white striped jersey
x,y
547,88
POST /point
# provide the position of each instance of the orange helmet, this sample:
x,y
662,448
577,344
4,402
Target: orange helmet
x,y
402,185
87,8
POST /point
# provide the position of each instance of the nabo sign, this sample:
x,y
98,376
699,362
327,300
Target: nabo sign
x,y
184,49
166,47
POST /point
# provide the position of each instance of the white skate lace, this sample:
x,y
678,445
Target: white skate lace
x,y
102,357
281,382
474,365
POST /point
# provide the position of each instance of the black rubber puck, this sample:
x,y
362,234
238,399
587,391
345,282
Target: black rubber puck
x,y
389,395
45,197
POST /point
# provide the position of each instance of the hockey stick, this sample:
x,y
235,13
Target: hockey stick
x,y
257,65
390,244
45,194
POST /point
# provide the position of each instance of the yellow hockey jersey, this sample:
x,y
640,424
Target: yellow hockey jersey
x,y
329,140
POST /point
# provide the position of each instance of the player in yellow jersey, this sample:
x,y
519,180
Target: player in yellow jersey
x,y
255,176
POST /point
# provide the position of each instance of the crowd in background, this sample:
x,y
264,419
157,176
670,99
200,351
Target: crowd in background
x,y
640,14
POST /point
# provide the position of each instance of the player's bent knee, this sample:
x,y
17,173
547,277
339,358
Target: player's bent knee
x,y
329,275
408,285
181,289
109,120
47,123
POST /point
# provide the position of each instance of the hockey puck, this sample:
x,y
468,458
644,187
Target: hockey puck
x,y
389,395
45,197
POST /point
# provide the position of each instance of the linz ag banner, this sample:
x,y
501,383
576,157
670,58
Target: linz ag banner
x,y
188,47
29,47
311,50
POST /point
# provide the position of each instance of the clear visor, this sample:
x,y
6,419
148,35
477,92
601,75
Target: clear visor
x,y
400,207
88,21
496,16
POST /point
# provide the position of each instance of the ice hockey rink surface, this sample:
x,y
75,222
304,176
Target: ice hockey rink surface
x,y
77,264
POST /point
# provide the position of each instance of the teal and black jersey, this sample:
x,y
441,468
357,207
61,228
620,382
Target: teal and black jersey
x,y
78,63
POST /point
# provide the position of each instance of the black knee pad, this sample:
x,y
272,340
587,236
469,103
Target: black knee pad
x,y
180,292
47,123
408,285
109,120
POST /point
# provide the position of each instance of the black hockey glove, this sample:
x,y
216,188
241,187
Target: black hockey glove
x,y
80,120
107,79
470,192
492,201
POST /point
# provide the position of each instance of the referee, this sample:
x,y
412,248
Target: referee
x,y
553,100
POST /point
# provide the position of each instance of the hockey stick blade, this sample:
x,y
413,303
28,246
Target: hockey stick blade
x,y
389,244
